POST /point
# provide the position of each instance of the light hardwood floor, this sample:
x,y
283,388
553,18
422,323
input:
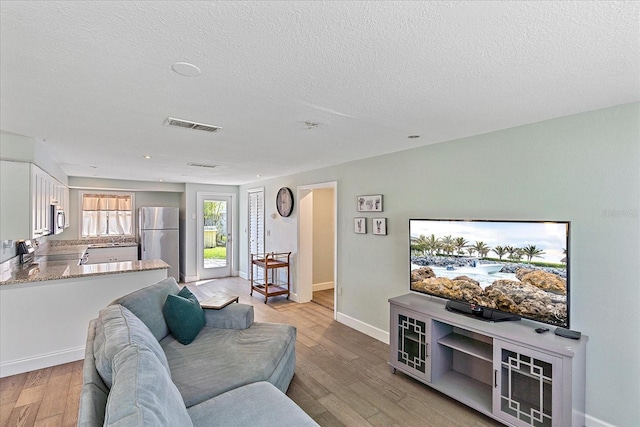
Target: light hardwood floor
x,y
341,378
324,298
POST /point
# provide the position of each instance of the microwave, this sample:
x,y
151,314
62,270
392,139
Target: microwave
x,y
58,219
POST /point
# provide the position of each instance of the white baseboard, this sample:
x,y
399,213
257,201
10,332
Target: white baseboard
x,y
322,286
294,297
590,421
190,279
40,362
243,275
365,328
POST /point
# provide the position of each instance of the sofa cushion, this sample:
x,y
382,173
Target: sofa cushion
x,y
93,398
223,359
184,316
233,316
117,328
147,303
142,392
257,405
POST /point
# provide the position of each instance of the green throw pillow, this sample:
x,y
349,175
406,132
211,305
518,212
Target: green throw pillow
x,y
184,316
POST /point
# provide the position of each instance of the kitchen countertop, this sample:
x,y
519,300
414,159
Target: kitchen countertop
x,y
55,270
43,270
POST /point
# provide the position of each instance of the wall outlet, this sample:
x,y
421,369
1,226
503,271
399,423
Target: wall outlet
x,y
339,290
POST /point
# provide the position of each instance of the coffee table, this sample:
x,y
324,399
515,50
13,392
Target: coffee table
x,y
218,301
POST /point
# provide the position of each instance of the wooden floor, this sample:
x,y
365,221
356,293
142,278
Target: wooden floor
x,y
324,298
341,378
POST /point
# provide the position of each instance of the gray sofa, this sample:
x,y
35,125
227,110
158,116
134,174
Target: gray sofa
x,y
234,373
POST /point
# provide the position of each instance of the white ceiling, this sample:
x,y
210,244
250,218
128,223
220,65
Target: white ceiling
x,y
298,85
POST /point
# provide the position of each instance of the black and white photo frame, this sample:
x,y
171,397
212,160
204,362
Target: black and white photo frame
x,y
360,225
371,203
379,226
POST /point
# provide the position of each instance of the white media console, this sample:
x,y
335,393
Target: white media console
x,y
505,370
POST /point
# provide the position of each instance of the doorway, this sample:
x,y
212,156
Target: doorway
x,y
215,213
317,244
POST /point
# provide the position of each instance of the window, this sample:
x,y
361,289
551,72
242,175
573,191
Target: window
x,y
106,214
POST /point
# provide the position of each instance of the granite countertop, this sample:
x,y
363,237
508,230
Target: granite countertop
x,y
61,262
55,270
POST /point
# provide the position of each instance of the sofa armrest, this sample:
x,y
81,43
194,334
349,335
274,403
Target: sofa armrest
x,y
233,316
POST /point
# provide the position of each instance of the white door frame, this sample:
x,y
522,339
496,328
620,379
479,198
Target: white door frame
x,y
201,196
305,252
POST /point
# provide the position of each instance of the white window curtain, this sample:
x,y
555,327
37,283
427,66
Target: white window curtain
x,y
106,215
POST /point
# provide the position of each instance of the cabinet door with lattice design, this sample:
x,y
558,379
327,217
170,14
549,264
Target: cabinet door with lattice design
x,y
528,386
410,342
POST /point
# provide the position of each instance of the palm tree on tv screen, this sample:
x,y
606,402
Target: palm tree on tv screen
x,y
460,243
500,251
531,251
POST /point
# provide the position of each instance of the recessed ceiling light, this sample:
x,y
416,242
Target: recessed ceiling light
x,y
147,157
186,69
93,167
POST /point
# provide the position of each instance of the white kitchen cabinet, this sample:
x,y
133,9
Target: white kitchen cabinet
x,y
505,369
45,191
110,254
39,198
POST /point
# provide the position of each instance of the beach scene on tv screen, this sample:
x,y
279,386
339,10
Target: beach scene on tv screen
x,y
515,267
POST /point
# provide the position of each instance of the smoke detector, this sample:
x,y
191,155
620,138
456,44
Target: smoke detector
x,y
187,124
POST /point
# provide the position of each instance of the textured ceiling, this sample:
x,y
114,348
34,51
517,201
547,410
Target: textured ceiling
x,y
298,85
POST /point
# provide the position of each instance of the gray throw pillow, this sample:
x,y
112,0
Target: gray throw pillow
x,y
147,303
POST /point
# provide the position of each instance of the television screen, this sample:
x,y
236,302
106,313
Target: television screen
x,y
516,267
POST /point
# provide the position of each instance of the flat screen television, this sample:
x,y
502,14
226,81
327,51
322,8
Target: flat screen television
x,y
494,270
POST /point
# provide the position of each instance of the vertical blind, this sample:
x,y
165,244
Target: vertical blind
x,y
106,215
256,229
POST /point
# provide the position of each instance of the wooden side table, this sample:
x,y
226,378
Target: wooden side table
x,y
274,266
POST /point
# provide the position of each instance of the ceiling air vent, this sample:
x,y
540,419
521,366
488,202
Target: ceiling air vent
x,y
171,121
202,165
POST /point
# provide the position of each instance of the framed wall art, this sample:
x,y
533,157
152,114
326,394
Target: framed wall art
x,y
360,225
379,226
370,203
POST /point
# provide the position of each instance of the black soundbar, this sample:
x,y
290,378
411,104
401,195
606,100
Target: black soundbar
x,y
568,333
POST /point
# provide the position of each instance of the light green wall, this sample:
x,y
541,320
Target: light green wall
x,y
583,168
15,201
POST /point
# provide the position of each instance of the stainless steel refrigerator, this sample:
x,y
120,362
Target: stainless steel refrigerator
x,y
158,236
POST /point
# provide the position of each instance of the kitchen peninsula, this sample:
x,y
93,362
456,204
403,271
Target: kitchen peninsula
x,y
46,306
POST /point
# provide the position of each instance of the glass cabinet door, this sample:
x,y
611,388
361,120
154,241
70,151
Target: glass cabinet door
x,y
412,344
527,386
